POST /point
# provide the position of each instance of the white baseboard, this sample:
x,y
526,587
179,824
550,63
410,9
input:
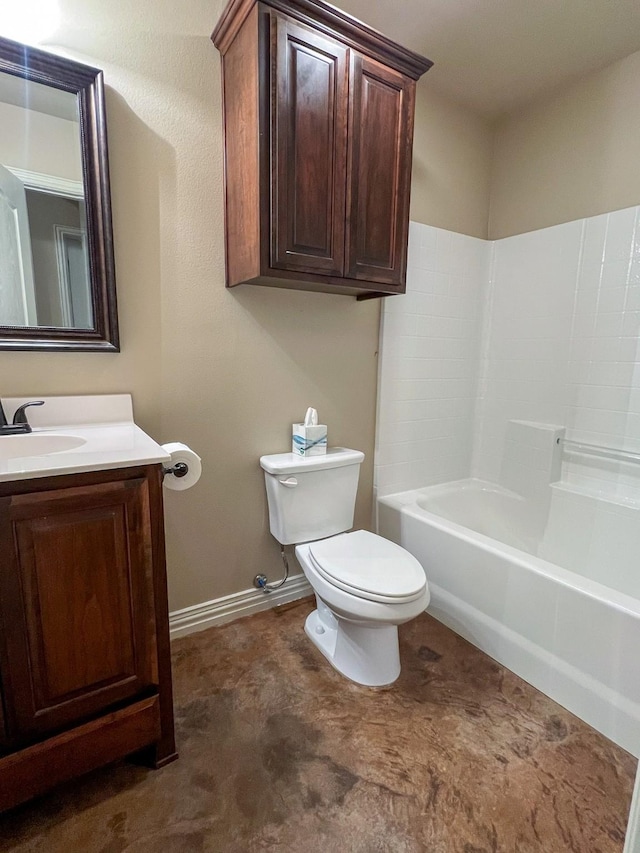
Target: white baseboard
x,y
230,607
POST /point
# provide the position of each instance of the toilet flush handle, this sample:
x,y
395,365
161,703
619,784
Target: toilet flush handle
x,y
289,482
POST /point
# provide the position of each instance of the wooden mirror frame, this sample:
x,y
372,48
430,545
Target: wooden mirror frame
x,y
87,84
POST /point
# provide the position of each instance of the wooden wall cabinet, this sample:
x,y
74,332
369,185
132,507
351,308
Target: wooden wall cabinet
x,y
85,673
318,118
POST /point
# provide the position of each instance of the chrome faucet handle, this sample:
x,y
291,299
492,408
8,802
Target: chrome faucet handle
x,y
20,415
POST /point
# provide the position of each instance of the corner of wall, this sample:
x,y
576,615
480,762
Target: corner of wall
x,y
452,153
495,124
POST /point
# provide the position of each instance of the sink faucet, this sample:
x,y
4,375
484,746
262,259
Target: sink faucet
x,y
20,423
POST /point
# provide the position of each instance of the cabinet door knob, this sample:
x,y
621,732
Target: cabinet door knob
x,y
289,482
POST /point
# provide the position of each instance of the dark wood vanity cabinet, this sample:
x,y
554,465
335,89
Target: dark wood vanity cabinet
x,y
318,112
84,647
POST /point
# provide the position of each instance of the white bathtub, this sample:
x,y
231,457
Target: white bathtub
x,y
575,638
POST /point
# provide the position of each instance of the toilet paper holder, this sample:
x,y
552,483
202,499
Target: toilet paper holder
x,y
183,464
180,469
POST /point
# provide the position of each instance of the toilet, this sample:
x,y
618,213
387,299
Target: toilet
x,y
365,585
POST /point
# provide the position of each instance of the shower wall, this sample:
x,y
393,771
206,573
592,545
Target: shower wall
x,y
540,327
428,370
561,345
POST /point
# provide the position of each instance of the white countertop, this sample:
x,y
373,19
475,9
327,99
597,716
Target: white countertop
x,y
102,425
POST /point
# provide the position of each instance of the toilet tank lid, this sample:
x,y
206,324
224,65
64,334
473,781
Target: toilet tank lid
x,y
291,463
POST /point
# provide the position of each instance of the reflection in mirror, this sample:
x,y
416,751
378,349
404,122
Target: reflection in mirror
x,y
56,261
41,175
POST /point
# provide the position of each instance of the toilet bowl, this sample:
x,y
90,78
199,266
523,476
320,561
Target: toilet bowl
x,y
365,587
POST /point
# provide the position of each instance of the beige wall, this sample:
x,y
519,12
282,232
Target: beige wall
x,y
452,154
225,371
571,155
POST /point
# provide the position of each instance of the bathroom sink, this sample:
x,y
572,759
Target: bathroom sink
x,y
37,444
72,435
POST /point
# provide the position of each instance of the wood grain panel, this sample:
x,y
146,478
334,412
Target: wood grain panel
x,y
308,150
240,85
78,579
38,768
380,138
79,632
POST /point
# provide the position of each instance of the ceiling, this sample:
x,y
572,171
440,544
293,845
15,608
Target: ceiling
x,y
494,55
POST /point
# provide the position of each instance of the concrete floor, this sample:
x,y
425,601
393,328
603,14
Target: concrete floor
x,y
279,753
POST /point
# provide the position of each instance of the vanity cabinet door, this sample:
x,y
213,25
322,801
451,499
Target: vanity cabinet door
x,y
379,171
76,603
308,162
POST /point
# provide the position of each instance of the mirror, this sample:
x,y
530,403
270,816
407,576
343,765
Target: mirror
x,y
57,281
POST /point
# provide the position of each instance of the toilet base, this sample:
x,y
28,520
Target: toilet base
x,y
366,654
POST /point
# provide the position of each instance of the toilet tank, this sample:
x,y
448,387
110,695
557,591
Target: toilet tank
x,y
311,497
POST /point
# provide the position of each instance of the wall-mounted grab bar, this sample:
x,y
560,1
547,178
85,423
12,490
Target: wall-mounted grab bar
x,y
600,451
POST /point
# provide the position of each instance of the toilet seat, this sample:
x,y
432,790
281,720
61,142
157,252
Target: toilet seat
x,y
369,567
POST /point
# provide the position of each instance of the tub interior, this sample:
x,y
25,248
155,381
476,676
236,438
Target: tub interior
x,y
595,537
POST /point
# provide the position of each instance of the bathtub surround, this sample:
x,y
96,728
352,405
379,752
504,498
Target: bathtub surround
x,y
551,324
279,750
429,362
562,345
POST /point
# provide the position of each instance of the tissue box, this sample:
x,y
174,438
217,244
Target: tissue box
x,y
309,440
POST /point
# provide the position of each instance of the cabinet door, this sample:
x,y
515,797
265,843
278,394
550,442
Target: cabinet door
x,y
379,171
308,158
76,603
